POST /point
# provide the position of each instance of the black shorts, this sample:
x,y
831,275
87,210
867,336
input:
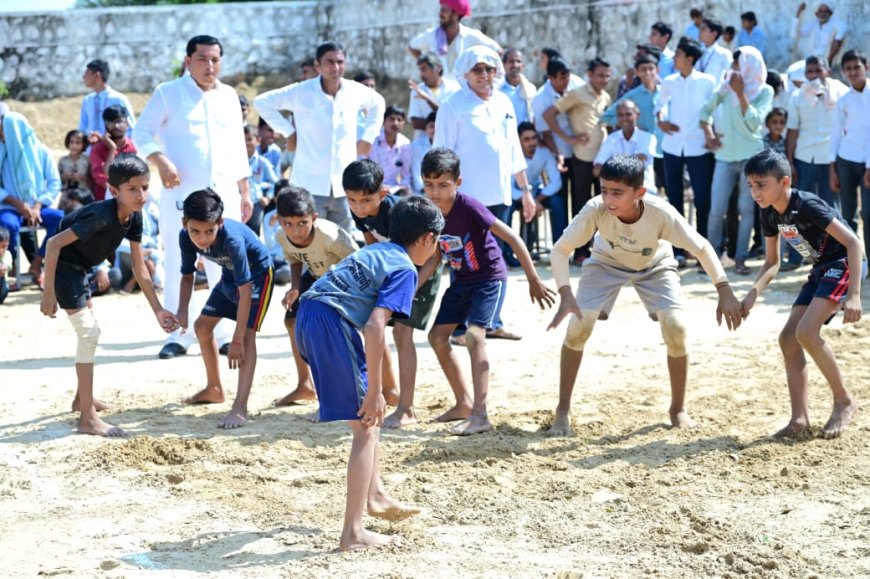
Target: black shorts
x,y
223,302
829,280
306,282
71,288
424,303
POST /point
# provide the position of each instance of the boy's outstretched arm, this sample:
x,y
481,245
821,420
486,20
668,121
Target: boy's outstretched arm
x,y
295,286
184,293
537,290
167,321
236,355
48,306
769,269
855,254
374,406
567,305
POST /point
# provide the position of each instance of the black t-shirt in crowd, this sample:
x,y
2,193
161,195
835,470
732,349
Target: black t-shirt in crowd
x,y
99,234
378,225
803,227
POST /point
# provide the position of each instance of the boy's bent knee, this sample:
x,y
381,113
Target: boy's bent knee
x,y
580,330
88,333
673,331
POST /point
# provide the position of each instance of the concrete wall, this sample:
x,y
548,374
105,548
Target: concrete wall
x,y
42,55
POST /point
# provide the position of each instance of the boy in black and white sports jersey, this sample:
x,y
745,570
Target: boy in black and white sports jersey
x,y
816,231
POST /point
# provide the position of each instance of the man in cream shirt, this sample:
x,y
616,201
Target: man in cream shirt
x,y
327,101
191,130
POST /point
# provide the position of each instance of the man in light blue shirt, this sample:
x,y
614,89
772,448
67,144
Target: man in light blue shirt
x,y
750,34
693,30
516,86
545,179
91,123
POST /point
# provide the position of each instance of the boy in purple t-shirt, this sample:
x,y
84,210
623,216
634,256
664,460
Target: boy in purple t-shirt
x,y
478,279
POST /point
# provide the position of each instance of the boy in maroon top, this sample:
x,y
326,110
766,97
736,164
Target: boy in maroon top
x,y
113,143
478,279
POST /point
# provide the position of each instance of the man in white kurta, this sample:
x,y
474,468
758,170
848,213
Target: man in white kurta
x,y
191,130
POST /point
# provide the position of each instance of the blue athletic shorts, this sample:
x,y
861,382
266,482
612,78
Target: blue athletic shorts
x,y
474,303
333,349
223,302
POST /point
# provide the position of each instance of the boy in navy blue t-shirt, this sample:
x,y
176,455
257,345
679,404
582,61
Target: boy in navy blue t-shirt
x,y
242,294
818,232
360,294
478,279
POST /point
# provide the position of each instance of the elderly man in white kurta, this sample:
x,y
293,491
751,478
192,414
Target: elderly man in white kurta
x,y
192,131
325,111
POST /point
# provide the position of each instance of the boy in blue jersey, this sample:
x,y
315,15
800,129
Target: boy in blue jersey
x,y
242,295
360,294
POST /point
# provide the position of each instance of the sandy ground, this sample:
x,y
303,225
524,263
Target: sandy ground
x,y
627,496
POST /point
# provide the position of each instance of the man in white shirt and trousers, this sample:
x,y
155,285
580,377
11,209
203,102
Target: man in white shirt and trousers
x,y
192,131
318,104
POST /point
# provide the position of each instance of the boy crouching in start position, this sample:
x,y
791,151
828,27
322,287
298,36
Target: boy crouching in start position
x,y
818,232
85,238
242,295
362,293
633,246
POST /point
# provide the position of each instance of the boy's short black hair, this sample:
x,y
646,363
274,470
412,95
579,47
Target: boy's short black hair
x,y
774,112
364,75
730,30
663,29
556,66
749,16
394,110
767,163
774,80
597,62
508,51
100,66
251,130
551,53
714,26
204,205
525,126
853,54
114,112
262,124
363,175
646,59
696,13
80,196
328,46
309,62
4,234
431,59
440,161
75,133
412,218
430,118
624,169
203,39
650,49
124,168
294,201
691,48
819,61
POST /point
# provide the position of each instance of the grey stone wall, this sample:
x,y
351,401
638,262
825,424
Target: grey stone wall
x,y
42,55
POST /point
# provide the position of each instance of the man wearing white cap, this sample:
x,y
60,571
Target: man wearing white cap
x,y
822,35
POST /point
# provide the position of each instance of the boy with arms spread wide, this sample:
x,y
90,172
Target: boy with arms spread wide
x,y
633,246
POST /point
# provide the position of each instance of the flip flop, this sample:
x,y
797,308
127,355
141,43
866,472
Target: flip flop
x,y
502,334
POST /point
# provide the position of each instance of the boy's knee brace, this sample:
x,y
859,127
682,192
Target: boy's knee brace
x,y
673,331
88,333
580,330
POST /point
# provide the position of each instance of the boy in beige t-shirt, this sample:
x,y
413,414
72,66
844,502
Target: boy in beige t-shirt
x,y
633,246
316,244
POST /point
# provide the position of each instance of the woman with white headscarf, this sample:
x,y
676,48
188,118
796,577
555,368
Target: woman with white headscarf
x,y
741,105
479,124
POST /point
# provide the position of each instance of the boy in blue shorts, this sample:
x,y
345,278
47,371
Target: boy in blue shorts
x,y
370,206
818,232
242,294
312,243
86,237
361,294
478,279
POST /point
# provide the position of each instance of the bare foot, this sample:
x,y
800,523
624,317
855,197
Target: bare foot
x,y
314,416
474,424
235,419
98,405
682,419
561,425
839,420
794,428
303,393
386,507
208,395
96,425
400,417
391,397
363,540
458,412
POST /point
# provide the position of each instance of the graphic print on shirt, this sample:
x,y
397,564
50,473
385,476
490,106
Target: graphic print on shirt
x,y
793,237
627,244
456,249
